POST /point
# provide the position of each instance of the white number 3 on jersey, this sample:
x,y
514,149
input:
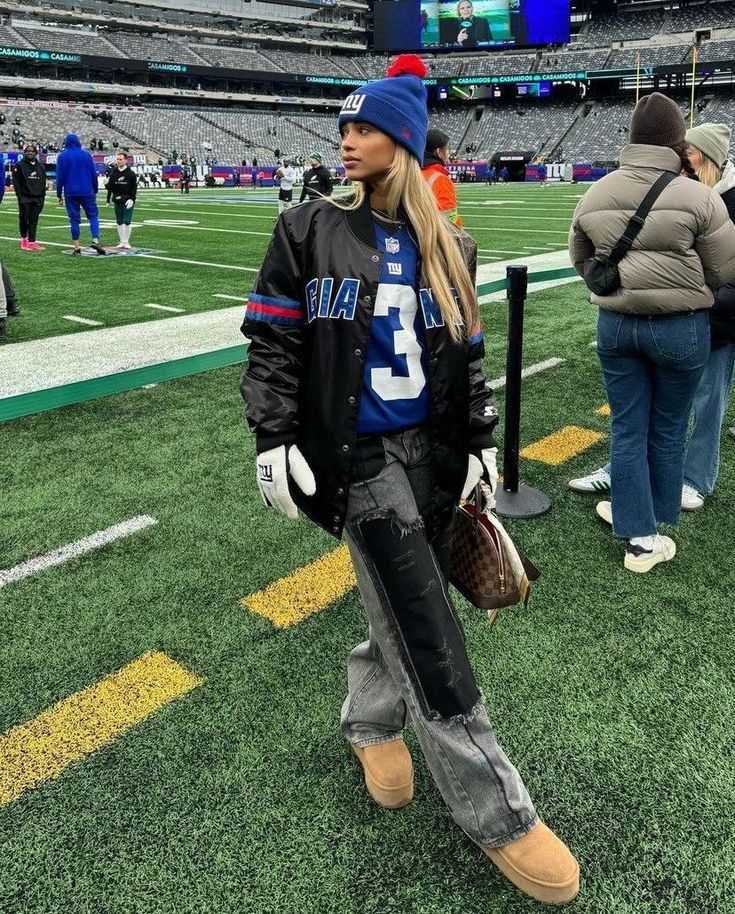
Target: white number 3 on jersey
x,y
389,386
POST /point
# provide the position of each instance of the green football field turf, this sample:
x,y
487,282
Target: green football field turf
x,y
613,693
220,230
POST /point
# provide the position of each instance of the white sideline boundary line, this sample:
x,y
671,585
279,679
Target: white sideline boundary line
x,y
164,308
88,322
499,383
74,550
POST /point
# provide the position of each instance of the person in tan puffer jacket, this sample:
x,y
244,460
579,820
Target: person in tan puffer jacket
x,y
653,332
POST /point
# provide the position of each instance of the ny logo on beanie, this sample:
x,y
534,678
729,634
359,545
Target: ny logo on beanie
x,y
352,104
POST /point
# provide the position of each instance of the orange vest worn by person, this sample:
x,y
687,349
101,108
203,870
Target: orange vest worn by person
x,y
442,186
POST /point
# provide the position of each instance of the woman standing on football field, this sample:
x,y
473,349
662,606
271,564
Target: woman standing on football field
x,y
122,189
365,391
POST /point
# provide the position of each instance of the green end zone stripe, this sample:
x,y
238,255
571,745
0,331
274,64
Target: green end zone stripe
x,y
41,401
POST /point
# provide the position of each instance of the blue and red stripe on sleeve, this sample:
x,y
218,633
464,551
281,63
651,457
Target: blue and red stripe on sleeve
x,y
274,310
475,336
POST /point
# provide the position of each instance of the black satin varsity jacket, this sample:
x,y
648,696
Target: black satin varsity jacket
x,y
308,320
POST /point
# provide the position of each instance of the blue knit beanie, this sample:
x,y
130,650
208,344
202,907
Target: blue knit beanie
x,y
396,105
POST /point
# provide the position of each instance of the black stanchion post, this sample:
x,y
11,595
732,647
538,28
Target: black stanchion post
x,y
515,500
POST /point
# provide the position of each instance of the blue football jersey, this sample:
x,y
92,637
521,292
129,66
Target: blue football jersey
x,y
396,389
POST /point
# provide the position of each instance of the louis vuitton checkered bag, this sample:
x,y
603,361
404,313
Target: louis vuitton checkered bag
x,y
486,568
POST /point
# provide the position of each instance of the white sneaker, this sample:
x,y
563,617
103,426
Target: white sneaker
x,y
604,511
599,481
640,559
691,500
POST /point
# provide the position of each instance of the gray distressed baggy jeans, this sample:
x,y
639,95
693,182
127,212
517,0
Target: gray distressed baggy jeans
x,y
414,663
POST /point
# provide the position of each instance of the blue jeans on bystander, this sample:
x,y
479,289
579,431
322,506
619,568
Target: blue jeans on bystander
x,y
651,366
702,462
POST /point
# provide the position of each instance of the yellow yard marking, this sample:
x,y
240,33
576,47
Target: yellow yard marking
x,y
305,591
603,410
42,748
566,443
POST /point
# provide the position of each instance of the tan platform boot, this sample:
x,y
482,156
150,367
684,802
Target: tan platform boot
x,y
539,864
388,773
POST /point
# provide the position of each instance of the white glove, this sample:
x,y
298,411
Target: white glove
x,y
476,469
129,204
273,470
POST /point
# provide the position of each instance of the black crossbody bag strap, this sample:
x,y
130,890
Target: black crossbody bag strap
x,y
639,217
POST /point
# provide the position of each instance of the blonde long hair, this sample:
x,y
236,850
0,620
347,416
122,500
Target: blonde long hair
x,y
709,172
442,260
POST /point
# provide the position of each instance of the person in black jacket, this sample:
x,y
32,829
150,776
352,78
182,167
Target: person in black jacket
x,y
365,391
317,180
29,181
122,189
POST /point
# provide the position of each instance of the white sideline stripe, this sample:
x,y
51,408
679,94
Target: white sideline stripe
x,y
593,344
549,260
164,308
229,297
197,263
74,550
206,228
98,351
498,383
82,320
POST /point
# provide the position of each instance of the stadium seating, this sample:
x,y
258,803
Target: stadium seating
x,y
239,58
651,56
141,46
713,15
576,60
536,127
602,28
49,125
79,41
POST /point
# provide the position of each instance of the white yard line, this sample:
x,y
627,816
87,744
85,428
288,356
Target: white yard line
x,y
164,308
82,320
74,550
196,263
230,297
201,263
498,383
502,230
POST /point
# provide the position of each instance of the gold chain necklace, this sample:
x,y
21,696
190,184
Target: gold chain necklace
x,y
384,217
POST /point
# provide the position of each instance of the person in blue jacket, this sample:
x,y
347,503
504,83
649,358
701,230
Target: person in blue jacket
x,y
76,186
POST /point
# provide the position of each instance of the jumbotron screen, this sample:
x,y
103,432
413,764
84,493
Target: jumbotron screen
x,y
455,25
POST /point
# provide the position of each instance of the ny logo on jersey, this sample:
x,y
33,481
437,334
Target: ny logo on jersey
x,y
395,269
353,103
321,303
265,470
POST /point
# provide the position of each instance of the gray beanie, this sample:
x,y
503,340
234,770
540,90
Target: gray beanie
x,y
711,139
657,121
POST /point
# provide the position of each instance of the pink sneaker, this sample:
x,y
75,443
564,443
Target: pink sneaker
x,y
24,244
35,246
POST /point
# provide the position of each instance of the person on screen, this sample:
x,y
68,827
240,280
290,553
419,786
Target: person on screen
x,y
467,29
